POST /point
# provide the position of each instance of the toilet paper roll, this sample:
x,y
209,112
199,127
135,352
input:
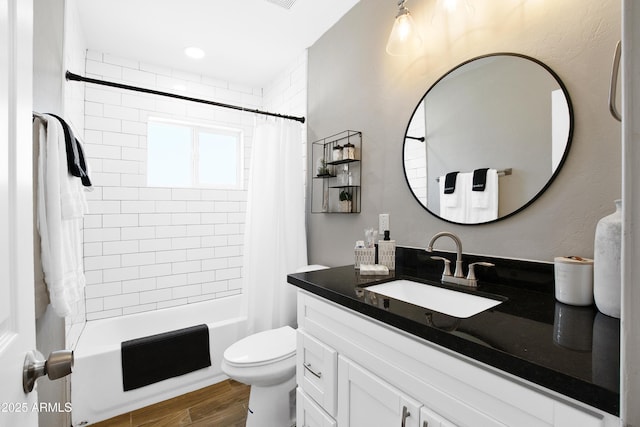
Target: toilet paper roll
x,y
574,280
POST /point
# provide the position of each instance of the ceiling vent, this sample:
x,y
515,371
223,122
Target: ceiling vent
x,y
283,3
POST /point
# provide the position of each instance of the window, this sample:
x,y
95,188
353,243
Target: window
x,y
186,155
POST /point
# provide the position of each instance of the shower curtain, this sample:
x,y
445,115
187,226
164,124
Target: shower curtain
x,y
275,241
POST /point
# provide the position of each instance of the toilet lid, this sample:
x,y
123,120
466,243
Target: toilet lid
x,y
264,347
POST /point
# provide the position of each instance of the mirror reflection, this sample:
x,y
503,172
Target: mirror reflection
x,y
503,122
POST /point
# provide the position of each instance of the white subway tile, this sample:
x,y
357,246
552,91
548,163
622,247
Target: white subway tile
x,y
171,231
235,284
171,280
139,285
139,77
120,166
142,102
215,264
133,180
142,258
214,287
228,293
93,277
185,242
103,289
105,179
200,206
155,296
172,303
102,69
101,234
120,247
229,273
119,193
155,245
94,55
171,256
221,195
122,113
137,154
237,217
95,193
155,194
93,249
186,291
104,314
200,230
120,220
185,75
138,207
138,308
214,218
103,207
213,241
101,96
102,123
94,304
226,251
137,233
171,206
155,219
199,254
101,262
93,109
227,207
185,194
119,301
123,62
185,267
155,69
119,139
185,218
200,277
134,128
235,261
235,239
92,221
155,270
200,298
92,137
226,229
120,274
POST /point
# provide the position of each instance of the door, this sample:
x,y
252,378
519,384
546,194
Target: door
x,y
17,324
366,400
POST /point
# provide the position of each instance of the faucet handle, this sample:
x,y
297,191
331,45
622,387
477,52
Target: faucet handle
x,y
447,265
471,275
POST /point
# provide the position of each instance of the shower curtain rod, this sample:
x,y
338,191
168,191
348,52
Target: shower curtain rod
x,y
76,77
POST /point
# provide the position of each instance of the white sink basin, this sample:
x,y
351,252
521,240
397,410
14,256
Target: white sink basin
x,y
457,304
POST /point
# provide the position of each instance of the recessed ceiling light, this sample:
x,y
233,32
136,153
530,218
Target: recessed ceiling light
x,y
194,52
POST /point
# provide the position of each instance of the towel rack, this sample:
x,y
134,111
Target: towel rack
x,y
501,172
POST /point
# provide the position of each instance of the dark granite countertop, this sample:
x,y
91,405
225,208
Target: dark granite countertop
x,y
572,350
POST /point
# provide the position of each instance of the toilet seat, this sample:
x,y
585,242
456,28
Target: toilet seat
x,y
263,348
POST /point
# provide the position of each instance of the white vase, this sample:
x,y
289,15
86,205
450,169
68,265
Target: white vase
x,y
606,263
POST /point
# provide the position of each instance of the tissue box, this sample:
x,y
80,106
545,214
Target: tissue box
x,y
387,253
364,256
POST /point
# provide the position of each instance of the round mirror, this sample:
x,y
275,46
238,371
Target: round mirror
x,y
488,138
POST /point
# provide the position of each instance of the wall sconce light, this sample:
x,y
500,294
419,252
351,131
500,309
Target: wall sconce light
x,y
404,37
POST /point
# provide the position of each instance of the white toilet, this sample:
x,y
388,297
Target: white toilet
x,y
267,362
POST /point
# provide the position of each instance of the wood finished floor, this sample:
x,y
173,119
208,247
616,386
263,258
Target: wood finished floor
x,y
220,405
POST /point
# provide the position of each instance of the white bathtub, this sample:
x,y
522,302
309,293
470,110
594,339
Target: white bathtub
x,y
96,383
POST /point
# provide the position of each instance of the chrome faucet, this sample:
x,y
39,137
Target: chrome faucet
x,y
457,277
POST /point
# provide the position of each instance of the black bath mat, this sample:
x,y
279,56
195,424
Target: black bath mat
x,y
158,357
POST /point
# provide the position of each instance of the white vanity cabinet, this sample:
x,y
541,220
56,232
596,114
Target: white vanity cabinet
x,y
356,371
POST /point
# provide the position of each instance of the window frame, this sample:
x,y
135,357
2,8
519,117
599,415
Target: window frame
x,y
195,129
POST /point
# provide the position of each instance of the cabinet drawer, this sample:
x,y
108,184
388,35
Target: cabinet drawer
x,y
316,370
309,414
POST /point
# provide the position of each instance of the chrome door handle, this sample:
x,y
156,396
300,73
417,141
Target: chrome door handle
x,y
307,366
58,365
614,83
405,414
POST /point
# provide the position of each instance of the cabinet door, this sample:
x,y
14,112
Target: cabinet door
x,y
309,414
365,400
316,368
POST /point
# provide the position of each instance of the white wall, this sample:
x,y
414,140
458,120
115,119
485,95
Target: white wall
x,y
354,84
150,248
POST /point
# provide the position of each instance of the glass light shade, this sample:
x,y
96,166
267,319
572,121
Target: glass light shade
x,y
404,37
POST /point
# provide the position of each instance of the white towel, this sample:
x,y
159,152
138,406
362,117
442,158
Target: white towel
x,y
60,207
483,205
453,207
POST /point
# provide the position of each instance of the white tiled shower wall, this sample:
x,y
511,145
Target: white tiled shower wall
x,y
151,248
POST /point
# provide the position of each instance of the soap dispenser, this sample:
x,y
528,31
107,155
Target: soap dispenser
x,y
387,252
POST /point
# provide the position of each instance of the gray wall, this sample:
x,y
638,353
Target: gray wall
x,y
354,84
